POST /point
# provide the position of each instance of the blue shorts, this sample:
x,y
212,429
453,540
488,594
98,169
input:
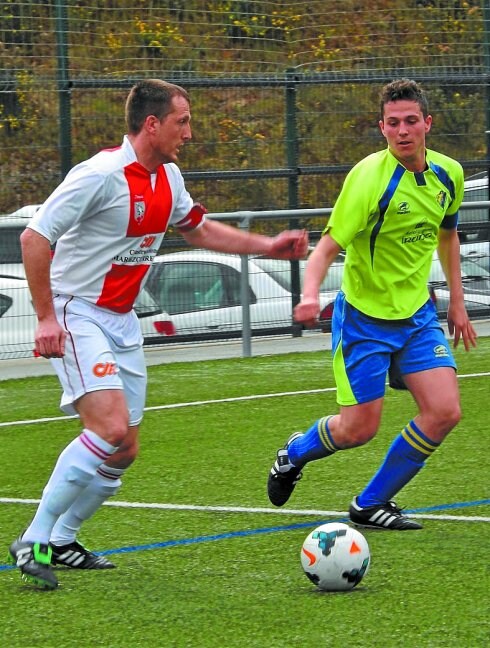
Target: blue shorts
x,y
365,348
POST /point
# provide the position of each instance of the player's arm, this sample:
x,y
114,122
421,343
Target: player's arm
x,y
36,256
459,324
219,237
322,257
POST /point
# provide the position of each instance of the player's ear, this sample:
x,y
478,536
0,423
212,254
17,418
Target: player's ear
x,y
151,122
428,123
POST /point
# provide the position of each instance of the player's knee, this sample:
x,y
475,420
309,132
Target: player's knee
x,y
115,434
450,416
356,433
113,429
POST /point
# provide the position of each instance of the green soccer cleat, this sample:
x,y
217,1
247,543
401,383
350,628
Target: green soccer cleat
x,y
34,561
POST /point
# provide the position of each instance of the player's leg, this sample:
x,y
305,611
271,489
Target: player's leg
x,y
75,468
67,549
425,361
361,354
88,374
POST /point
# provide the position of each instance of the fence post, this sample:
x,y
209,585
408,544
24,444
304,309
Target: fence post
x,y
244,224
486,59
293,166
64,99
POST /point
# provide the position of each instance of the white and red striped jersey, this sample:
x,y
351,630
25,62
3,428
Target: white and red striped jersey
x,y
108,218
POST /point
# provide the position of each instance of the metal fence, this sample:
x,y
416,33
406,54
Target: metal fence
x,y
284,94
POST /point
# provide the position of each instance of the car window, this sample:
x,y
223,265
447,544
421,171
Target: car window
x,y
475,190
472,269
145,305
280,271
10,250
5,304
186,286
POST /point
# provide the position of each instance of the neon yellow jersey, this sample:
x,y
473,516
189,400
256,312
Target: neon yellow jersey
x,y
387,219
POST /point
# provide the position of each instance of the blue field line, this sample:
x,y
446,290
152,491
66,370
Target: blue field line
x,y
251,532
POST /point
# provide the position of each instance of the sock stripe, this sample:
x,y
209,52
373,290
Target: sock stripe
x,y
109,474
90,445
324,434
414,437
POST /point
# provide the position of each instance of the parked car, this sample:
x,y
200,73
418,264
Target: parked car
x,y
201,291
11,227
476,287
474,223
18,319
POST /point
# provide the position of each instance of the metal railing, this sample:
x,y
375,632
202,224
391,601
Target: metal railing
x,y
245,218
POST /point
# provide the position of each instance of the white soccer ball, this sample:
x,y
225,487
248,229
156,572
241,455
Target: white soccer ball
x,y
335,557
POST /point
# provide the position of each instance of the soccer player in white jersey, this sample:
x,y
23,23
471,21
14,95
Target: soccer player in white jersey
x,y
108,218
396,207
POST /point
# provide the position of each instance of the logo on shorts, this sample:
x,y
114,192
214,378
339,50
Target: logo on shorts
x,y
102,369
440,351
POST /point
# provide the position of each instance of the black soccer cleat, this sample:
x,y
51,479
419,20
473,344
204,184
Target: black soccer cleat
x,y
283,476
381,516
76,556
34,561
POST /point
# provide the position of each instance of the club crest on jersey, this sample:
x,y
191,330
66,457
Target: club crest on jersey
x,y
139,211
441,199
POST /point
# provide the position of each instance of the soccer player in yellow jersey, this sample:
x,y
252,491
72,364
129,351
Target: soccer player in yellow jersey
x,y
397,206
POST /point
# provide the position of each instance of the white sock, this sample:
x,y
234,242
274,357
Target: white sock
x,y
105,484
74,470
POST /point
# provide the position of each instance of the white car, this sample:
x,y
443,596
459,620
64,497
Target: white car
x,y
476,287
201,291
474,238
18,319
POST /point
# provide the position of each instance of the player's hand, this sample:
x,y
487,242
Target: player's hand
x,y
307,312
50,339
460,327
291,244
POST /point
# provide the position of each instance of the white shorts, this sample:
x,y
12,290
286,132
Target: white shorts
x,y
104,350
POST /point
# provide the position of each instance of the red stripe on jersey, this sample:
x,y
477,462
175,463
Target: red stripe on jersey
x,y
193,218
121,287
149,210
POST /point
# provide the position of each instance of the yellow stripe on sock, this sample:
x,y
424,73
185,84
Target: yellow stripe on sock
x,y
411,437
323,434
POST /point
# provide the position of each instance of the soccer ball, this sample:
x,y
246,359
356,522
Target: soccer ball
x,y
335,557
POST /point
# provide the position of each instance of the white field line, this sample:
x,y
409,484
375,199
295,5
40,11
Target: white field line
x,y
243,509
213,401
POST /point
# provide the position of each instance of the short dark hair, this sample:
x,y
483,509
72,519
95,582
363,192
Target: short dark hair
x,y
150,97
404,89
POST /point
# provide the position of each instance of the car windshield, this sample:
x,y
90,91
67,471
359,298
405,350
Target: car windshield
x,y
280,271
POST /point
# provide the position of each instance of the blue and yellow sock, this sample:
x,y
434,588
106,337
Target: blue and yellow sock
x,y
406,456
315,443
